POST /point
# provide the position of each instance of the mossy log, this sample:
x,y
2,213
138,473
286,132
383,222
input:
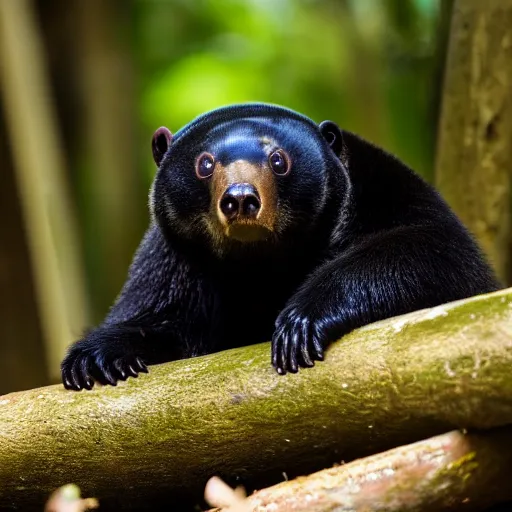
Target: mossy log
x,y
443,473
162,436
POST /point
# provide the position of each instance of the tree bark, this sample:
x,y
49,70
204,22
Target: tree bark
x,y
230,414
475,135
443,473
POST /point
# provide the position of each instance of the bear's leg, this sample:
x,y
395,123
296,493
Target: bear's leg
x,y
386,274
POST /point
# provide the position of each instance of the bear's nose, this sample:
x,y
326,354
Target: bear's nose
x,y
240,200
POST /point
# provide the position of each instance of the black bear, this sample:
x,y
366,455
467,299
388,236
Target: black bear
x,y
265,226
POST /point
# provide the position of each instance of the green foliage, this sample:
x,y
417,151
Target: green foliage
x,y
370,65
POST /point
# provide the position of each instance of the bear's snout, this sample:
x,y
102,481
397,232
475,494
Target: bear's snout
x,y
240,201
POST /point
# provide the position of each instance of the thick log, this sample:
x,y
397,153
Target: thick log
x,y
453,471
165,434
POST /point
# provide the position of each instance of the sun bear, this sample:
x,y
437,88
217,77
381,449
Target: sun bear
x,y
267,226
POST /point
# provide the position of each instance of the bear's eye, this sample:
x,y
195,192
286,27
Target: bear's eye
x,y
279,162
204,165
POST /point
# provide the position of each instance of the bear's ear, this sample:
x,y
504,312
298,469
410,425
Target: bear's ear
x,y
160,144
332,134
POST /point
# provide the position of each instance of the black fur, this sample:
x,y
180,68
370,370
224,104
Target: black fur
x,y
359,237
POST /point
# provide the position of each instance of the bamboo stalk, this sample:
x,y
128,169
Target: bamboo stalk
x,y
40,166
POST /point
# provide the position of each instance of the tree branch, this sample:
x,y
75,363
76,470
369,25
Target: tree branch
x,y
444,472
230,414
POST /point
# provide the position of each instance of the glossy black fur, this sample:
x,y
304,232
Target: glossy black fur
x,y
359,238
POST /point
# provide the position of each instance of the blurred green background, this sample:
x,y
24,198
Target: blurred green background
x,y
373,66
116,70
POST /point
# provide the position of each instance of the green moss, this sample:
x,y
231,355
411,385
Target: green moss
x,y
464,467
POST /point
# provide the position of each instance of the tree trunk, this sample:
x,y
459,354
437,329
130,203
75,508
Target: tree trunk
x,y
230,414
90,63
40,172
22,347
474,157
119,217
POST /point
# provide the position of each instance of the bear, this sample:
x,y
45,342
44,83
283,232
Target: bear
x,y
266,226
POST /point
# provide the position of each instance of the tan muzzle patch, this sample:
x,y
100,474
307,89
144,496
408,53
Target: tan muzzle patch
x,y
261,178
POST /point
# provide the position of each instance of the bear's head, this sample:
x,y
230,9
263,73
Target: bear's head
x,y
245,174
